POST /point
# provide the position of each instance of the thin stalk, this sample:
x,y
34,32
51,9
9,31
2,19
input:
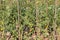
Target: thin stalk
x,y
37,29
0,25
48,18
46,6
0,4
3,21
37,12
54,21
47,12
19,23
27,8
